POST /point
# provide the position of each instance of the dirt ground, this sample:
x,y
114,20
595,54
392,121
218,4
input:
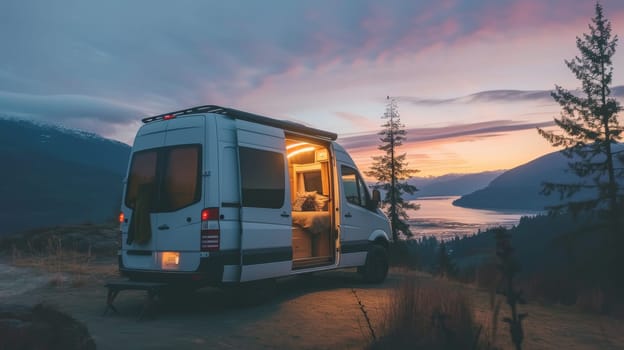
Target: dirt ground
x,y
320,311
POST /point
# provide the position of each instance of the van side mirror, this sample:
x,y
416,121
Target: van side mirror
x,y
373,203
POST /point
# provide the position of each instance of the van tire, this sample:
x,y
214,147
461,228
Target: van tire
x,y
375,269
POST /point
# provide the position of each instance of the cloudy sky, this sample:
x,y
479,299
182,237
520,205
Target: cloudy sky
x,y
471,77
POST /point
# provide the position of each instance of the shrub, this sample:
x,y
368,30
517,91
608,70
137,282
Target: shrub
x,y
431,317
400,254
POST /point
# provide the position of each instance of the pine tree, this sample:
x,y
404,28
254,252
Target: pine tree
x,y
392,172
590,126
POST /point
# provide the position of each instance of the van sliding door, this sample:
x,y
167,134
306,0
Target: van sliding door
x,y
266,242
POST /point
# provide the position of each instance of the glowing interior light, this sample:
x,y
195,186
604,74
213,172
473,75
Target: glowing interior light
x,y
305,149
296,145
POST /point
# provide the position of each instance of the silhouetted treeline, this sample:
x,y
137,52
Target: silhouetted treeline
x,y
562,259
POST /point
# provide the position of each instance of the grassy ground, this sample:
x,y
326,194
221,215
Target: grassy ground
x,y
74,255
325,310
546,327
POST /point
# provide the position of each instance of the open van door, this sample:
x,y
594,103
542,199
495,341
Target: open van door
x,y
266,233
356,218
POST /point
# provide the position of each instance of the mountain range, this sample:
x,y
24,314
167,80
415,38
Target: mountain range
x,y
451,184
519,188
52,175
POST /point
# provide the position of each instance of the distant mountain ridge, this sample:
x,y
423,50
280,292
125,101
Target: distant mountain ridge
x,y
52,175
519,188
452,184
64,143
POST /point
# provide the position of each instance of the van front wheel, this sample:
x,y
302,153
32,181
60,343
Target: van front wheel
x,y
375,269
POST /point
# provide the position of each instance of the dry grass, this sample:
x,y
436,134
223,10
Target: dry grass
x,y
65,253
431,317
591,300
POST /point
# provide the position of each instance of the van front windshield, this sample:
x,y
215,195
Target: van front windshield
x,y
168,178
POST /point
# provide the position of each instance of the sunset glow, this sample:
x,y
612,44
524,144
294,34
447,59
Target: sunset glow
x,y
471,78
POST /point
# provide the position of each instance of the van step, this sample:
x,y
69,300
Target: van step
x,y
152,289
303,263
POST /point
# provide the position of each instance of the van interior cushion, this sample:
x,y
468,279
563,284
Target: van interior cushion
x,y
306,201
320,202
313,222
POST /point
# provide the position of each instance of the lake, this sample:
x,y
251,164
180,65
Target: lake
x,y
438,217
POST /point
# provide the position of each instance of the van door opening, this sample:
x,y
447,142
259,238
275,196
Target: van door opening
x,y
312,203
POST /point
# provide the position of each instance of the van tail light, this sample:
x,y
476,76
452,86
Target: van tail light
x,y
210,230
122,218
210,214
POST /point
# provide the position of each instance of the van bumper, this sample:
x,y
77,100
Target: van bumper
x,y
209,272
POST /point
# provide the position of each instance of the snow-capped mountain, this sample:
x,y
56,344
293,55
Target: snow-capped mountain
x,y
52,175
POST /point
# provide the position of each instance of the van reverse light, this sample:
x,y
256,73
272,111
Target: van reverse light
x,y
210,230
170,260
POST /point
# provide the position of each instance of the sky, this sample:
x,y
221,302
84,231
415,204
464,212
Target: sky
x,y
471,77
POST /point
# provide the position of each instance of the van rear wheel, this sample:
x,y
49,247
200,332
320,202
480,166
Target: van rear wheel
x,y
375,269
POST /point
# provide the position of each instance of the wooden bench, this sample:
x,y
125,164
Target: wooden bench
x,y
152,289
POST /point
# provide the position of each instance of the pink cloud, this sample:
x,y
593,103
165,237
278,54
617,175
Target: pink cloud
x,y
456,133
359,120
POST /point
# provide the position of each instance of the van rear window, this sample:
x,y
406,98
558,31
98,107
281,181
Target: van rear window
x,y
168,178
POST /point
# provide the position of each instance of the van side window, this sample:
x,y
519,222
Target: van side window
x,y
168,178
354,187
313,181
263,180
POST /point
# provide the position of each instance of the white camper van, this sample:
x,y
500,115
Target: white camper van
x,y
215,195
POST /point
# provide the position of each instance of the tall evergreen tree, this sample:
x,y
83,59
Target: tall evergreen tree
x,y
392,172
590,126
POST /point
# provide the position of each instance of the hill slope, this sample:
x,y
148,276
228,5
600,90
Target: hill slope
x,y
54,176
519,188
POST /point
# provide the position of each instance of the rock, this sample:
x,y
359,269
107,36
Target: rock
x,y
41,327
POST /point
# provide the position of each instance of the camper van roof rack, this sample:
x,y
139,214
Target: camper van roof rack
x,y
250,117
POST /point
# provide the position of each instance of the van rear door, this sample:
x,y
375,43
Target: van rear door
x,y
164,189
142,176
178,229
266,237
